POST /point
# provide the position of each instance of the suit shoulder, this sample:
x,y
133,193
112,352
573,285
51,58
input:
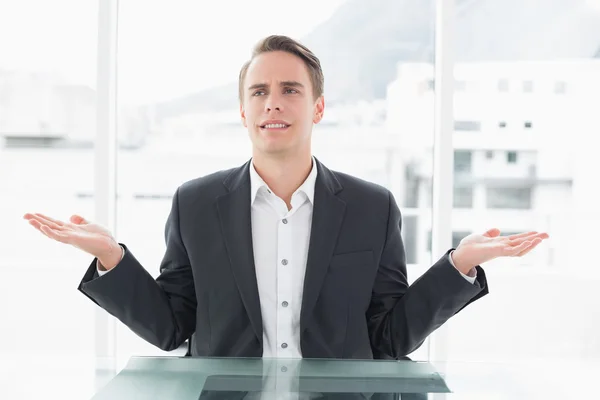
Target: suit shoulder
x,y
211,184
356,185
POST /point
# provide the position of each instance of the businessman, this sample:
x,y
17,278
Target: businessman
x,y
282,257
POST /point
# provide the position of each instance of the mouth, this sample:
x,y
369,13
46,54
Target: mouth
x,y
275,127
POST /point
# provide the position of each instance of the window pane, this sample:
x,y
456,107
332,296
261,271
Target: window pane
x,y
542,304
463,197
511,157
179,110
47,136
462,161
507,197
457,237
467,125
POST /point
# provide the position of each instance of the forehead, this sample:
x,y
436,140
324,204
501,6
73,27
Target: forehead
x,y
277,66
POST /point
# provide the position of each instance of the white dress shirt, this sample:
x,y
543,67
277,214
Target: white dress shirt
x,y
280,243
280,240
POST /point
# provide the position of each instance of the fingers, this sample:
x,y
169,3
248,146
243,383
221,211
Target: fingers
x,y
533,245
529,237
53,234
50,227
78,219
522,235
45,220
492,232
51,220
512,251
37,225
523,248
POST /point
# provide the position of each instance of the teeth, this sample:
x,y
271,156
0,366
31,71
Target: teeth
x,y
275,126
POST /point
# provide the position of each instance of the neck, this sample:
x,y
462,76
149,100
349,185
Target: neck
x,y
283,174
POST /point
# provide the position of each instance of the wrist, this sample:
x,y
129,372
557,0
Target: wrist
x,y
110,260
462,264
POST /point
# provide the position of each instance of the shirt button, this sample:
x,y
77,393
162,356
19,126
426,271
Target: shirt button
x,y
283,369
284,261
285,304
284,345
284,221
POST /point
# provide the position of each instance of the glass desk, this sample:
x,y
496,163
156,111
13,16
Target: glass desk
x,y
181,378
185,378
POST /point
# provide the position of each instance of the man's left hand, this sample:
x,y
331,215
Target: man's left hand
x,y
476,248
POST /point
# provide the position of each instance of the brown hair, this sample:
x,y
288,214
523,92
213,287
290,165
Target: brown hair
x,y
288,45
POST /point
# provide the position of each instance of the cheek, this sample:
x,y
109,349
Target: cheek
x,y
251,114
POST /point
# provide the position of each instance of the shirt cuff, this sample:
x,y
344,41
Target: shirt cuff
x,y
471,279
103,272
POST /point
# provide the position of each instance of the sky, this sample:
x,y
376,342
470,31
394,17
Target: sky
x,y
167,48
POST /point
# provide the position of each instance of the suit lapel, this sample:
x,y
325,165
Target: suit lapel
x,y
235,217
328,214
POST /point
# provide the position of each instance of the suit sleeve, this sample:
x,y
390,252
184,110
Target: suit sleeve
x,y
401,317
161,311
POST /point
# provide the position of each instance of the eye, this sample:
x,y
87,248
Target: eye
x,y
291,91
258,93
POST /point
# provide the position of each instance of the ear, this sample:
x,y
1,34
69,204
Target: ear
x,y
319,110
243,115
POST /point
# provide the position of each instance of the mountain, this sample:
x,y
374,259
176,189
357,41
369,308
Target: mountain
x,y
364,40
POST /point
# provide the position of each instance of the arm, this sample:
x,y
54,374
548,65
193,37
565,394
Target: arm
x,y
401,317
161,311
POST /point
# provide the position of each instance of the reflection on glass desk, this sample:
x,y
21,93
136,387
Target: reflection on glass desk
x,y
229,378
182,378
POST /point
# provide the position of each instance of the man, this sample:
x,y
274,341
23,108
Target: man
x,y
282,257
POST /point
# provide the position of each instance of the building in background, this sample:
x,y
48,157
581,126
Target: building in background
x,y
525,137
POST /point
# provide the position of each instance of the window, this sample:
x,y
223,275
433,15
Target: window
x,y
409,235
431,84
508,198
457,237
467,125
531,81
413,184
47,140
463,197
462,161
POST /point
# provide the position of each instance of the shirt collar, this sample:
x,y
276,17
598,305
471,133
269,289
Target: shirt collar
x,y
307,187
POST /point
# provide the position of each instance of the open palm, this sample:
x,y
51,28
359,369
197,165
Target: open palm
x,y
89,237
478,248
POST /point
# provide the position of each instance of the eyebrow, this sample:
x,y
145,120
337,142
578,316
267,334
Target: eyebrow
x,y
284,83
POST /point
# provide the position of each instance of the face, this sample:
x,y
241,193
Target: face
x,y
279,107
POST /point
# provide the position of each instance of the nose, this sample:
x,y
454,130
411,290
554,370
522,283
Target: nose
x,y
273,103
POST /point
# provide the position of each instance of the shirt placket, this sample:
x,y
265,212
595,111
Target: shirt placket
x,y
284,285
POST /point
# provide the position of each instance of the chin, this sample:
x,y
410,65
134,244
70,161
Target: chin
x,y
276,150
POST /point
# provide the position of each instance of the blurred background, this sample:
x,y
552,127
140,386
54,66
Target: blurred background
x,y
525,145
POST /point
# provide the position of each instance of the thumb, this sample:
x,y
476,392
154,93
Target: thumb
x,y
77,219
492,232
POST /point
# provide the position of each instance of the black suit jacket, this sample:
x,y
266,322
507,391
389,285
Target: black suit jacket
x,y
356,301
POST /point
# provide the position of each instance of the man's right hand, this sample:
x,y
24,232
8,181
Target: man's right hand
x,y
89,237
